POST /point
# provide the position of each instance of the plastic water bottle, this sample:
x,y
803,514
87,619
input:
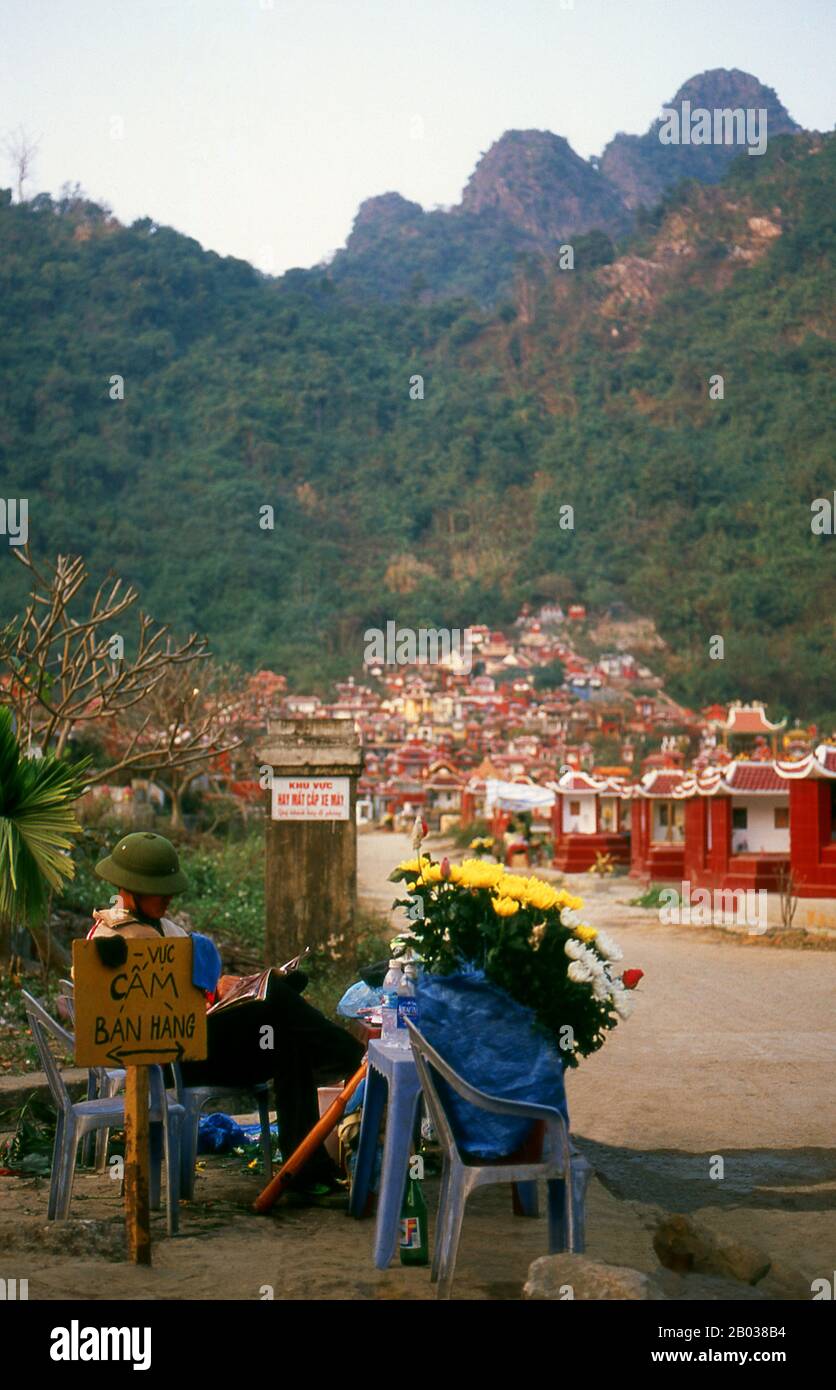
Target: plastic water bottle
x,y
389,1002
407,1004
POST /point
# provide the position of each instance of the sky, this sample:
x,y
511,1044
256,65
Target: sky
x,y
259,126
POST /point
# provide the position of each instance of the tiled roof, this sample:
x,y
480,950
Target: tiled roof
x,y
755,777
579,781
662,783
750,719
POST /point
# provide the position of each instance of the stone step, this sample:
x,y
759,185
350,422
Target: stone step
x,y
18,1087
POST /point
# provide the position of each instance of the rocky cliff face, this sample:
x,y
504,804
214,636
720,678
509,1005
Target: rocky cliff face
x,y
641,167
539,184
530,192
388,214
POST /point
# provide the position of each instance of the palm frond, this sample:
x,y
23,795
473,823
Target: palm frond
x,y
37,825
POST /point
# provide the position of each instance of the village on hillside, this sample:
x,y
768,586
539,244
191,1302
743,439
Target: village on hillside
x,y
562,746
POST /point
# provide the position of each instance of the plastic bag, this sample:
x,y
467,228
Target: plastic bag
x,y
358,996
218,1134
494,1044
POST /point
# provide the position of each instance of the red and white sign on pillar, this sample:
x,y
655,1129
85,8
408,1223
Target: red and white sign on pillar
x,y
310,798
310,838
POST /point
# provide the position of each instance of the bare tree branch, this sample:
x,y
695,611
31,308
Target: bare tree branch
x,y
60,676
21,149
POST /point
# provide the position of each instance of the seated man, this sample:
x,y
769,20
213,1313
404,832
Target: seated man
x,y
306,1046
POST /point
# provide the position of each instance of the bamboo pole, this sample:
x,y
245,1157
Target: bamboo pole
x,y
297,1160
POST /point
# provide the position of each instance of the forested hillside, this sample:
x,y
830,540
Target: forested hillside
x,y
586,387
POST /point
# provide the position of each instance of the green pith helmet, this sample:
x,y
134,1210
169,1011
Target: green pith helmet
x,y
144,863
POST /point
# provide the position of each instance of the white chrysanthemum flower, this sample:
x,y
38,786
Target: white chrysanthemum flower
x,y
623,1005
570,918
601,989
579,972
574,949
608,947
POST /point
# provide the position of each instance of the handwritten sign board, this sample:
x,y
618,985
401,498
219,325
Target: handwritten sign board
x,y
310,798
142,1011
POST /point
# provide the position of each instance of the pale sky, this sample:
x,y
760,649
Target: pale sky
x,y
258,126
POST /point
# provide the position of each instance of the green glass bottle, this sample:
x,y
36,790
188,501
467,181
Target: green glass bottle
x,y
414,1242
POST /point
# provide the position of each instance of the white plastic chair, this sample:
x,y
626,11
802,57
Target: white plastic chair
x,y
101,1081
78,1118
566,1172
193,1100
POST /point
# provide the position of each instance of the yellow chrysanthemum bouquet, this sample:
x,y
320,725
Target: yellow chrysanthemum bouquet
x,y
526,935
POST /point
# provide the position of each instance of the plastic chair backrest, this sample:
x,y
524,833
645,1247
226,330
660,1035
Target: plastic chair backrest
x,y
156,1089
497,1105
428,1062
42,1024
69,995
177,1074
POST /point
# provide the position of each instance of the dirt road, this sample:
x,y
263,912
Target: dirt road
x,y
730,1053
732,1042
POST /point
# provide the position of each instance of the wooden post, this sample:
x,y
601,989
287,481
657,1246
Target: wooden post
x,y
137,1215
311,833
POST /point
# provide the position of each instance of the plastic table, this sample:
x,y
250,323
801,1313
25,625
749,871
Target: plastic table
x,y
392,1068
389,1068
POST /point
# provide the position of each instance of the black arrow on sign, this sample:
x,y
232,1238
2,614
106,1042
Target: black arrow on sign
x,y
119,1054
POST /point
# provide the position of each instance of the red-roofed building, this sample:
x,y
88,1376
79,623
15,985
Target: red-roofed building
x,y
443,787
749,722
715,714
737,827
657,830
752,825
589,818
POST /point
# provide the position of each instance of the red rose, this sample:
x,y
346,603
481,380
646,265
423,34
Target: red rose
x,y
630,978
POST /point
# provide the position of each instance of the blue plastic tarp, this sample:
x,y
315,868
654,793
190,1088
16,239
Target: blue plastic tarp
x,y
494,1044
219,1133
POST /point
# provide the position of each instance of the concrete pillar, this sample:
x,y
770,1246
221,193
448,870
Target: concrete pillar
x,y
721,838
809,830
638,838
310,834
557,827
695,840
